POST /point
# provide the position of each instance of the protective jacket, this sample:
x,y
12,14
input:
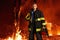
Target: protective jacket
x,y
36,21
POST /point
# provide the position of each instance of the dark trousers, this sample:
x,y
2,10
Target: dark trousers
x,y
38,35
32,32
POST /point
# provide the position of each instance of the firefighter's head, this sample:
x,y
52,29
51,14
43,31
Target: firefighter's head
x,y
34,6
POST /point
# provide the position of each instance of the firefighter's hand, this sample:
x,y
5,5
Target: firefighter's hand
x,y
31,19
44,27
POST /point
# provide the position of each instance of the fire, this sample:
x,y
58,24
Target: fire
x,y
15,36
10,38
49,25
18,36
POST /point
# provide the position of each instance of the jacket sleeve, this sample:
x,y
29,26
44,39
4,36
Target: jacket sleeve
x,y
44,24
43,20
27,16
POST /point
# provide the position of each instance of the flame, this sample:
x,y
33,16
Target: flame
x,y
15,36
58,33
10,38
49,25
18,36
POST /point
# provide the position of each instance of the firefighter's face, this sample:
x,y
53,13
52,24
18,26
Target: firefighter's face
x,y
35,6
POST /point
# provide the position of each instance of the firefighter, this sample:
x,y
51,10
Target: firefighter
x,y
36,23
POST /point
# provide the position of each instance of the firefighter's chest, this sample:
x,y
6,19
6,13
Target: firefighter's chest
x,y
35,14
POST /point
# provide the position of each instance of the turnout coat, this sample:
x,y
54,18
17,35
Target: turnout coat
x,y
36,21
